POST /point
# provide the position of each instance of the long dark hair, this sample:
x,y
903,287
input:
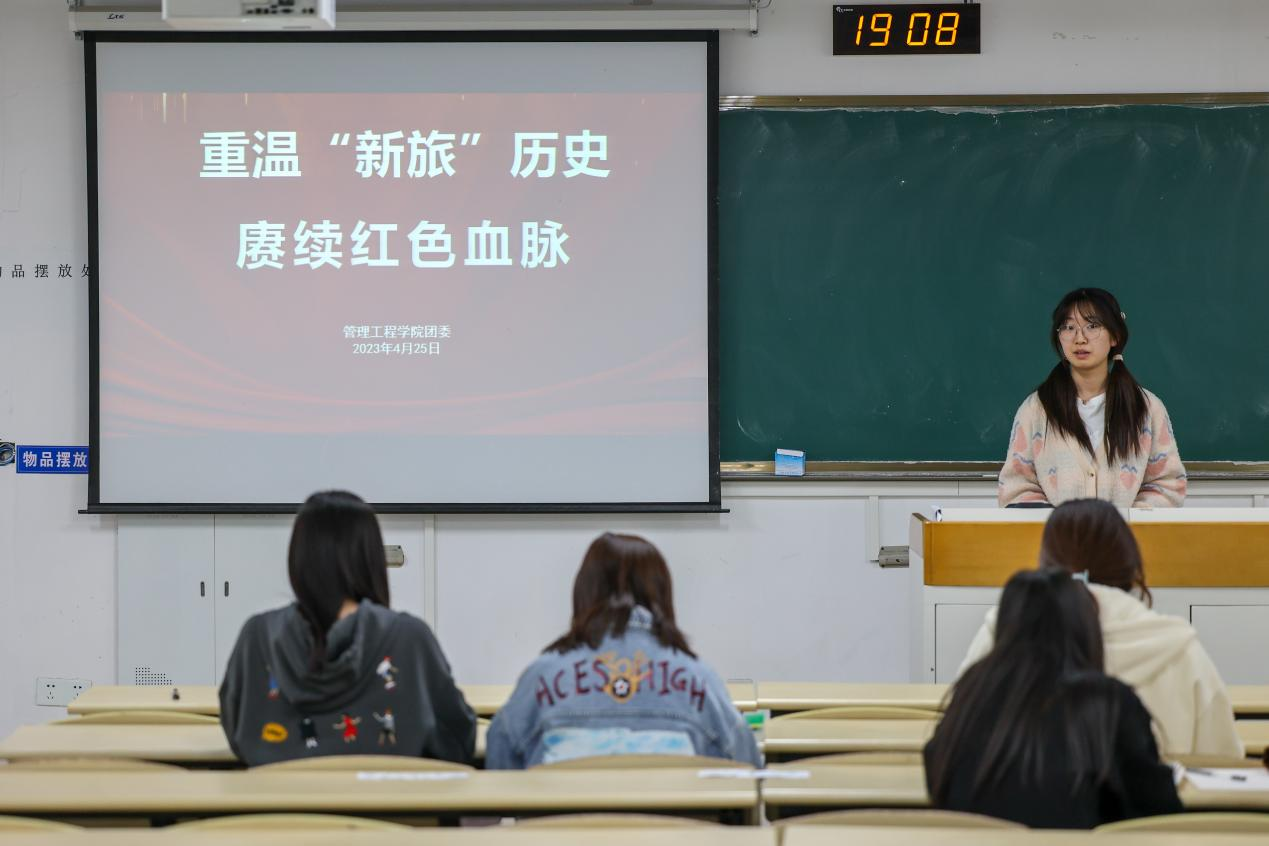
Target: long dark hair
x,y
1126,407
1091,535
619,572
336,554
1045,670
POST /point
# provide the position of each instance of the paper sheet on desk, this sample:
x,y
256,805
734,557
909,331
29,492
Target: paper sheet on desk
x,y
412,775
1250,778
743,773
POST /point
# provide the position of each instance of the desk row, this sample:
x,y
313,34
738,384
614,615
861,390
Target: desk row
x,y
206,745
486,699
789,790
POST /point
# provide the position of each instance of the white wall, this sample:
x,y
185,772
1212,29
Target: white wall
x,y
57,568
57,573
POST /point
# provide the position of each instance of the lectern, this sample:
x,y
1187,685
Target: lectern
x,y
1207,565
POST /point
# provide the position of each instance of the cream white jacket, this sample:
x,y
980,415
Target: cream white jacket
x,y
1045,466
1161,658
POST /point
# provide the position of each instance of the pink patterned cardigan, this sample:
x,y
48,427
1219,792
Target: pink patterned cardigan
x,y
1044,466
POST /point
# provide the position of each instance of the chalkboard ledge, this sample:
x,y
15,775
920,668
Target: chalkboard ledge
x,y
951,471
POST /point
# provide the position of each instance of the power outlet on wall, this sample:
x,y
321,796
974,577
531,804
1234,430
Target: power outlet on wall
x,y
59,692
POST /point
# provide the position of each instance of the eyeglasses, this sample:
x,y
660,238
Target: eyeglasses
x,y
1093,329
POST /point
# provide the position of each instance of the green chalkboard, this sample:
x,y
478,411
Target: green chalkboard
x,y
887,274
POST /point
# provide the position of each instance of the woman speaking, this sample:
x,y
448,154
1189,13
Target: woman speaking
x,y
1090,431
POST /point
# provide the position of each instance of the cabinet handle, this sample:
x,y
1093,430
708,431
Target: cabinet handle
x,y
226,587
202,588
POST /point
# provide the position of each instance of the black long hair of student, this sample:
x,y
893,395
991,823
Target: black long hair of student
x,y
1044,674
1126,407
619,572
336,553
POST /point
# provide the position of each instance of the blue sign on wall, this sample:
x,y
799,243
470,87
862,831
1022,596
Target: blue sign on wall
x,y
52,459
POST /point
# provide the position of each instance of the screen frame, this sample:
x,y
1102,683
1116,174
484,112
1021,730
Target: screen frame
x,y
708,38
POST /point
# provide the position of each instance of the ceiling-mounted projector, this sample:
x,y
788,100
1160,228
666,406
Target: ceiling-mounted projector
x,y
249,14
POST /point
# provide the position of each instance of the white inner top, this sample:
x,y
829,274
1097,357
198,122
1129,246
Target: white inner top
x,y
1093,414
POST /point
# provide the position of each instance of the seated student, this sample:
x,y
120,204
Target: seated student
x,y
1158,655
338,672
1036,733
622,679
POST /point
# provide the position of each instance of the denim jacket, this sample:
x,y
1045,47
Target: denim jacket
x,y
631,695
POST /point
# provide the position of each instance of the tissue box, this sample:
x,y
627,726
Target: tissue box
x,y
790,462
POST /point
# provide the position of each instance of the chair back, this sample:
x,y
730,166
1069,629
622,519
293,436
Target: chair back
x,y
363,763
611,821
1195,822
15,824
644,762
860,758
87,764
139,718
864,712
289,822
904,818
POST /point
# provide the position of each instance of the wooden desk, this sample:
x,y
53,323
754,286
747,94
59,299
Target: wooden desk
x,y
846,786
793,835
822,737
210,793
175,744
1249,699
195,699
1254,735
475,836
804,696
485,699
903,786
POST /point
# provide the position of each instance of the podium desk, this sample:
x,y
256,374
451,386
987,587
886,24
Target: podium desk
x,y
193,746
199,793
801,738
1209,566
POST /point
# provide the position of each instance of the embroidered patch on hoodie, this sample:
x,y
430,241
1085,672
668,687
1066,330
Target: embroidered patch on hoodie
x,y
387,672
273,733
348,725
309,732
387,727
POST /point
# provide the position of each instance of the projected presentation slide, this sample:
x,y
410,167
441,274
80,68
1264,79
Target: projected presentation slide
x,y
427,272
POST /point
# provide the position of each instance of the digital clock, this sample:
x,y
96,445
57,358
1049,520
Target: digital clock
x,y
915,29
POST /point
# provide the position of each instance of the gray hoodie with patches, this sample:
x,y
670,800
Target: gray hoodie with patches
x,y
384,688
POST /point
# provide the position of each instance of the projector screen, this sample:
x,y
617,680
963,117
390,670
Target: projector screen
x,y
450,272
